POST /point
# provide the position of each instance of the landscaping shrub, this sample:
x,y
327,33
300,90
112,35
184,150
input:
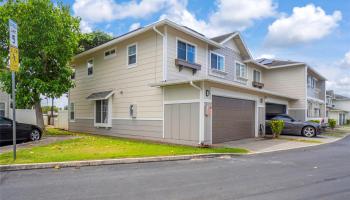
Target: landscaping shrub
x,y
332,123
277,127
315,121
348,121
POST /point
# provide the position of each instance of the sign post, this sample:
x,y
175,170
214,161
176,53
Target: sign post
x,y
14,67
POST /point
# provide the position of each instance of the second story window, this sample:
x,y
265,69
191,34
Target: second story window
x,y
257,76
217,62
311,82
241,70
90,67
132,54
186,51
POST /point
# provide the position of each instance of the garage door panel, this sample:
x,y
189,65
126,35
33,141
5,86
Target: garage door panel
x,y
233,119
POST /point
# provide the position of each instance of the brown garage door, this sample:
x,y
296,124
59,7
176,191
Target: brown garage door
x,y
233,119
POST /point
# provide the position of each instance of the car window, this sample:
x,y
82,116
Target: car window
x,y
4,121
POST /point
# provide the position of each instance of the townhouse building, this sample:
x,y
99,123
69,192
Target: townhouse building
x,y
338,107
169,83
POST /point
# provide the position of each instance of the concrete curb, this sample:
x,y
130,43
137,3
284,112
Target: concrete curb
x,y
57,165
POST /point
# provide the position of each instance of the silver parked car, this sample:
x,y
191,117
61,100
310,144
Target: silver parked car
x,y
293,127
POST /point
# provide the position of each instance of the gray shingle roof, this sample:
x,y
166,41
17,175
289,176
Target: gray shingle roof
x,y
99,95
223,37
341,97
274,62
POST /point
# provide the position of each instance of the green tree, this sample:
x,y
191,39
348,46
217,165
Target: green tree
x,y
93,39
48,38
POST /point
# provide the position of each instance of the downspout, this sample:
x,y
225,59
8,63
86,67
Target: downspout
x,y
164,36
164,71
201,113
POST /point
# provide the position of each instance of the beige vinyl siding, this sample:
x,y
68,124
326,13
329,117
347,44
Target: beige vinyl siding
x,y
131,85
201,55
180,92
232,55
289,81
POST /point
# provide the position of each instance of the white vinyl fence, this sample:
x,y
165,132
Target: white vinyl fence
x,y
24,116
61,121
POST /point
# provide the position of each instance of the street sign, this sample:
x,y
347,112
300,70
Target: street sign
x,y
13,34
14,63
14,59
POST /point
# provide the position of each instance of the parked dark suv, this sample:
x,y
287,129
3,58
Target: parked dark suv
x,y
293,127
24,131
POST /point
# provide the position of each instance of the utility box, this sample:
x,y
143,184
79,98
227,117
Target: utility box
x,y
133,110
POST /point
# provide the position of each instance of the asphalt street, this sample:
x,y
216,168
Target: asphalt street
x,y
320,173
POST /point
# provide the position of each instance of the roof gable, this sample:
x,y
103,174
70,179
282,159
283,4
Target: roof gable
x,y
237,41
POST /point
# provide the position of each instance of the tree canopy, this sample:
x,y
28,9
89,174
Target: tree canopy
x,y
93,39
48,38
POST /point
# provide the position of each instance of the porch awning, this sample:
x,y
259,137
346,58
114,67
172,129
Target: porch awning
x,y
100,95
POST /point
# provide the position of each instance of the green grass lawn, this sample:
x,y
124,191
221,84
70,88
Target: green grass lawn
x,y
91,147
337,132
301,140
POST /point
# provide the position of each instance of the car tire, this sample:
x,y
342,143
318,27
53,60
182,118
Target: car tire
x,y
308,131
35,135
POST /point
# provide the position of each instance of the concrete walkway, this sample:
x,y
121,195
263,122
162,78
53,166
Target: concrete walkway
x,y
43,141
262,145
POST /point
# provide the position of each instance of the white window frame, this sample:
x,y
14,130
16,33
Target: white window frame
x,y
260,77
218,55
109,114
240,72
70,111
92,66
110,55
190,43
127,55
313,82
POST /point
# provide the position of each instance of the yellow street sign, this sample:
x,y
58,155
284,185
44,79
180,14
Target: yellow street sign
x,y
14,59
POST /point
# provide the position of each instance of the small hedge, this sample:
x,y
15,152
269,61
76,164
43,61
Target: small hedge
x,y
315,121
276,127
348,121
332,123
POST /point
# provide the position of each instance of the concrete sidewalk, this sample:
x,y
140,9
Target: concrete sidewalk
x,y
263,145
44,141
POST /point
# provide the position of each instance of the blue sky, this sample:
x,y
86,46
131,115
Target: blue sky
x,y
316,32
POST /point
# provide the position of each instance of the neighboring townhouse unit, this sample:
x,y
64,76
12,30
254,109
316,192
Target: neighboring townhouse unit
x,y
4,104
298,80
169,83
338,107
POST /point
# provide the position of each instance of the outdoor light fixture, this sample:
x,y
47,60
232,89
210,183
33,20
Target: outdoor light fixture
x,y
207,93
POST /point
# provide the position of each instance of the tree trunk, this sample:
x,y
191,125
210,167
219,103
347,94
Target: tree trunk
x,y
39,115
52,118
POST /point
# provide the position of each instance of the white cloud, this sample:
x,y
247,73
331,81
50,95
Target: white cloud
x,y
338,75
230,15
268,56
107,10
346,59
134,26
85,27
305,24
